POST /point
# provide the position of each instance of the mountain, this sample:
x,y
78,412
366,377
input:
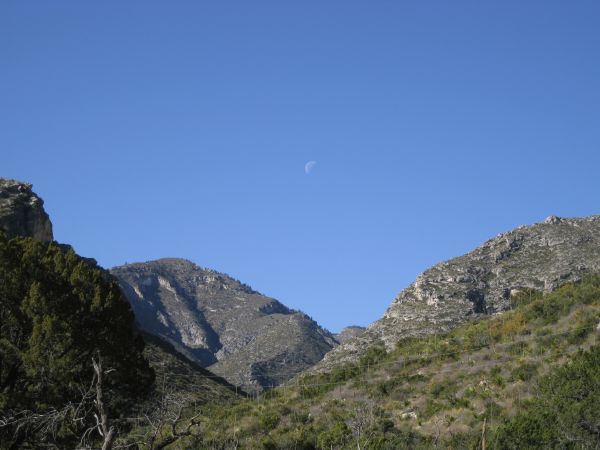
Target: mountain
x,y
215,321
525,379
349,332
539,257
498,348
22,211
59,311
251,340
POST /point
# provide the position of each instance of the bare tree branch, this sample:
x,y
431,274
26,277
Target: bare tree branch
x,y
107,431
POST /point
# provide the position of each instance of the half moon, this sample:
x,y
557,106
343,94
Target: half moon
x,y
309,166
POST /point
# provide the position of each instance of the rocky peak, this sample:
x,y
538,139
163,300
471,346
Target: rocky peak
x,y
22,211
220,323
349,332
541,257
553,220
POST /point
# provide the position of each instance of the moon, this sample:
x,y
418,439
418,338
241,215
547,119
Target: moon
x,y
309,166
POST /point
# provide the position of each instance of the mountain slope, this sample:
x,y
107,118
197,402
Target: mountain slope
x,y
251,340
58,311
540,256
179,374
443,391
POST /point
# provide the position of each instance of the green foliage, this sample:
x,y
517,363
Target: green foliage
x,y
586,323
498,380
565,413
452,382
478,336
57,311
336,436
372,356
343,373
524,372
550,308
268,421
518,348
525,297
446,391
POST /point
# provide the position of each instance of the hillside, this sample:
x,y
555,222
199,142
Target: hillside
x,y
482,282
179,374
61,314
251,340
482,380
497,348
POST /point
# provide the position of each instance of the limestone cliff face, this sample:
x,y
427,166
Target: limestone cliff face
x,y
251,340
541,256
22,211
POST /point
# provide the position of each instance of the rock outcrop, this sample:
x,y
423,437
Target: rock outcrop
x,y
251,340
349,332
22,211
541,257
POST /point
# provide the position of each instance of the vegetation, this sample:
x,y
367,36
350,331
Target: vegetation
x,y
564,412
527,378
57,312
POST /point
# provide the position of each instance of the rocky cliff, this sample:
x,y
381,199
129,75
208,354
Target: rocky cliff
x,y
251,340
22,211
539,257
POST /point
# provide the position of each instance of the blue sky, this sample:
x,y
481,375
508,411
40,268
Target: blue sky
x,y
182,129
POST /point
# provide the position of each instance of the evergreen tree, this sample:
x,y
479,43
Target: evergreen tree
x,y
57,312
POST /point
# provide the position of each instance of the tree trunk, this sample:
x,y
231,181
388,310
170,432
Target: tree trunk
x,y
107,432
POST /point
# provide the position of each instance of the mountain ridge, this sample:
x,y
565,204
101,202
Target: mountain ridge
x,y
539,256
221,323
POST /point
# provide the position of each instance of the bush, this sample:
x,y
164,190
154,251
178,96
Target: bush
x,y
335,436
524,372
478,336
565,414
585,325
518,348
372,356
268,421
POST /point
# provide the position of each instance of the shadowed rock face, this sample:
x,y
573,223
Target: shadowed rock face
x,y
541,257
251,340
22,211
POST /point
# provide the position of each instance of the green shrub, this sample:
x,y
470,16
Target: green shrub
x,y
335,436
478,336
372,356
498,380
518,348
525,297
585,325
565,413
268,421
524,372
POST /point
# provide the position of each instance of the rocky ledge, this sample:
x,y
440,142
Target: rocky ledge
x,y
22,211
